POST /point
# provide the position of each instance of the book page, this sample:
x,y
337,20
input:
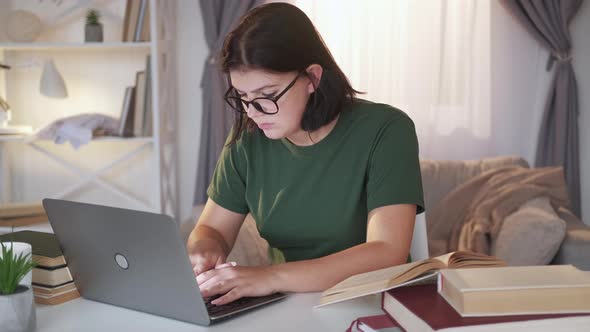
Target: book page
x,y
459,259
378,277
371,289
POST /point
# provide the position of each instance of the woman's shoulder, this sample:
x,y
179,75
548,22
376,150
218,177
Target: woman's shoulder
x,y
368,111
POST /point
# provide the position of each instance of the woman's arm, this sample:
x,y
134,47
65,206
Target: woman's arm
x,y
389,235
213,237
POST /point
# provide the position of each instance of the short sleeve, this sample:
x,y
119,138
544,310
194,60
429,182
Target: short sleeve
x,y
228,185
394,171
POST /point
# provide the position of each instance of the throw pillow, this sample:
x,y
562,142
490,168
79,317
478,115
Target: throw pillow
x,y
531,235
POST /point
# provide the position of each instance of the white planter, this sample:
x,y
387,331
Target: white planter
x,y
17,311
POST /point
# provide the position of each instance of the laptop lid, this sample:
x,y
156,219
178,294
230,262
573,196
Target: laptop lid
x,y
127,258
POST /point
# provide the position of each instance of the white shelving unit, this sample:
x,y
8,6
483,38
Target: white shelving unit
x,y
150,162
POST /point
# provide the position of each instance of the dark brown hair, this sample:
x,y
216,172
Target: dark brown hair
x,y
279,37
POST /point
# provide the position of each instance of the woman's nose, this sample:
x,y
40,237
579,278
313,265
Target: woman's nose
x,y
252,111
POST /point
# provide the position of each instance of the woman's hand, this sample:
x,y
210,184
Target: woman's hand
x,y
206,254
237,282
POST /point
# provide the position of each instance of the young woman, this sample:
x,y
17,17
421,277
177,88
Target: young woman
x,y
333,182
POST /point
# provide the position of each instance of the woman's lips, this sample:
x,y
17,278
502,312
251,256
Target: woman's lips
x,y
264,126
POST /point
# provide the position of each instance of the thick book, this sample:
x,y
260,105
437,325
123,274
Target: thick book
x,y
132,12
51,277
380,323
53,291
422,308
58,298
45,247
148,113
402,275
141,21
138,113
516,290
126,120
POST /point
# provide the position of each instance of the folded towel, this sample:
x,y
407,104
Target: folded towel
x,y
78,129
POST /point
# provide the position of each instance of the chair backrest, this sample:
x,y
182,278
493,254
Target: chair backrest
x,y
419,247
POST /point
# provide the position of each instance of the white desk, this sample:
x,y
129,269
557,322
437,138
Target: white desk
x,y
295,313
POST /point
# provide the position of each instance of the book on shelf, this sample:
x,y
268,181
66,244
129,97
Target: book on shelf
x,y
136,21
147,129
422,308
402,275
142,31
126,120
45,247
380,323
516,290
139,107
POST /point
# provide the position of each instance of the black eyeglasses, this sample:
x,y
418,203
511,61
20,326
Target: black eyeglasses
x,y
266,105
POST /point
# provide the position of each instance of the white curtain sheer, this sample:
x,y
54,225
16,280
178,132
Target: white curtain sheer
x,y
430,58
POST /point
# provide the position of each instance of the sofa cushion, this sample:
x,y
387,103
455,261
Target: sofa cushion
x,y
441,176
575,248
531,235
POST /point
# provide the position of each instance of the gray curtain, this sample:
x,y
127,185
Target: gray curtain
x,y
219,17
558,145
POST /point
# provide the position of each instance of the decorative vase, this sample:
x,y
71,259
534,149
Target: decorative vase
x,y
93,33
17,311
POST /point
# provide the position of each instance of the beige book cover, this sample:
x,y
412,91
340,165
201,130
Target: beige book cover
x,y
402,275
516,290
51,277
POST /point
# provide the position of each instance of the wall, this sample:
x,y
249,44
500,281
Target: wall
x,y
191,53
581,59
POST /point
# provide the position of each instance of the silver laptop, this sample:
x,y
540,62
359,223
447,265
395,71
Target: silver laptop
x,y
135,260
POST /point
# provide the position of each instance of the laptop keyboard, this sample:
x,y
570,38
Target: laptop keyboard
x,y
238,305
228,307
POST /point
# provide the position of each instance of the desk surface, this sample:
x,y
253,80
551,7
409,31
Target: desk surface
x,y
295,313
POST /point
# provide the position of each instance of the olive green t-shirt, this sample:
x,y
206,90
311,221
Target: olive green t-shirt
x,y
312,201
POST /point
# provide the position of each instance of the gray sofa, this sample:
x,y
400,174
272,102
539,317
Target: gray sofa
x,y
439,178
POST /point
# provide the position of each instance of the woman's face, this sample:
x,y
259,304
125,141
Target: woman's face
x,y
253,83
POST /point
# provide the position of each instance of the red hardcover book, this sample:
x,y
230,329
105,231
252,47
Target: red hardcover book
x,y
421,308
381,323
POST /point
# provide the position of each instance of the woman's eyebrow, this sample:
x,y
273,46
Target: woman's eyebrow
x,y
259,89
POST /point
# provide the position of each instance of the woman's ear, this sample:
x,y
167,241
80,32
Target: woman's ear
x,y
314,73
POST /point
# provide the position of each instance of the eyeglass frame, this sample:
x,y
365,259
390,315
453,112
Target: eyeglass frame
x,y
274,99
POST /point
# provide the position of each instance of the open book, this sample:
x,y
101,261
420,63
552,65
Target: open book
x,y
424,271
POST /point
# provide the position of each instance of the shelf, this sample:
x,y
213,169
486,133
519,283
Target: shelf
x,y
75,46
98,139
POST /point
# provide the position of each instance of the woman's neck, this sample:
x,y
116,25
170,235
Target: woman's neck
x,y
305,138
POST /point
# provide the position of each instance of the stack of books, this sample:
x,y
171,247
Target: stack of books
x,y
52,281
516,298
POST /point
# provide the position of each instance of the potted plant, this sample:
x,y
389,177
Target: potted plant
x,y
17,305
93,29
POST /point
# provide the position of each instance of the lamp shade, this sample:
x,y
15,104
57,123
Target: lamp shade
x,y
52,83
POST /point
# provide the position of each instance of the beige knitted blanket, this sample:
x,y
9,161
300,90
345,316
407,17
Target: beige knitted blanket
x,y
470,216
